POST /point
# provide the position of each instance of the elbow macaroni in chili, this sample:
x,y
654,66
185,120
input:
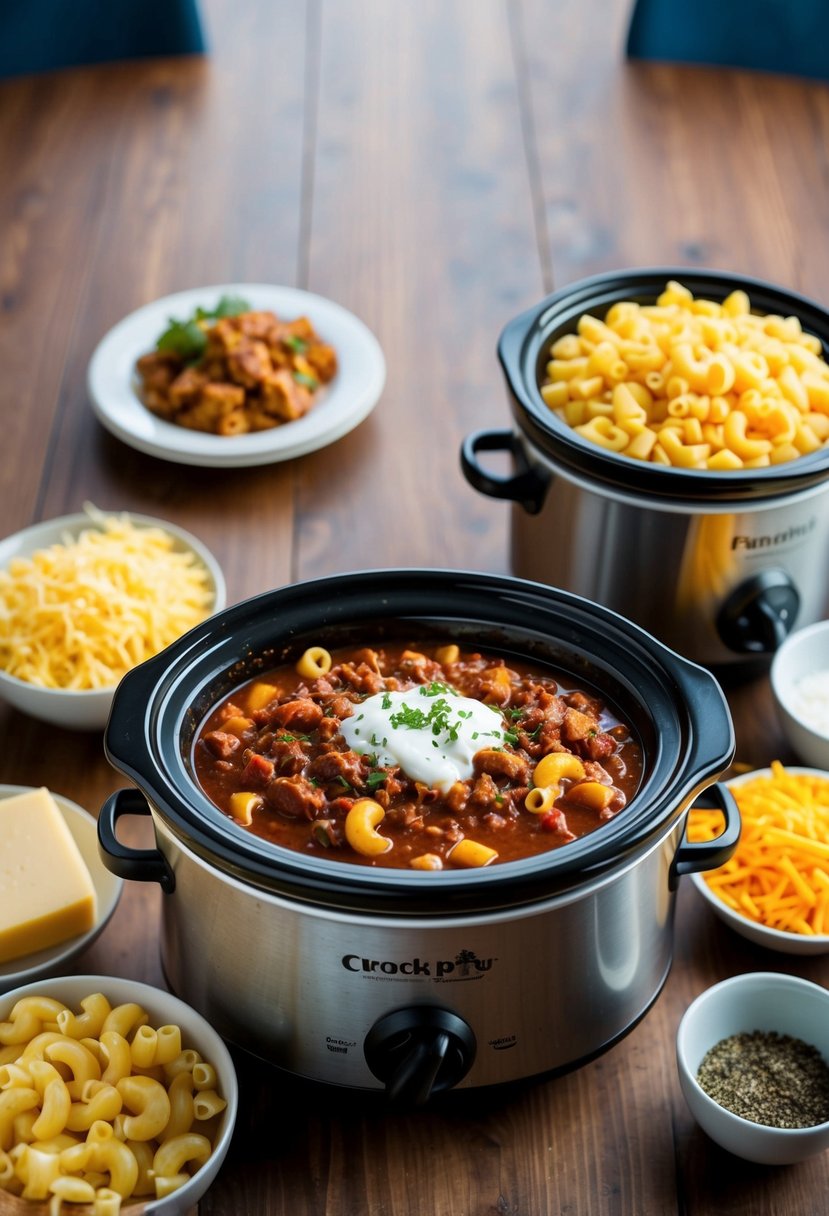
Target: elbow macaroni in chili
x,y
421,757
692,383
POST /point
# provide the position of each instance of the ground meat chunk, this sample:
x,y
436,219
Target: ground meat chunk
x,y
158,369
577,726
484,791
341,707
221,743
221,397
363,678
187,386
599,746
337,766
294,797
249,363
288,757
555,821
327,729
501,764
283,397
457,797
323,359
257,772
303,715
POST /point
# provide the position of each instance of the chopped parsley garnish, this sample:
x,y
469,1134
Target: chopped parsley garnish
x,y
378,777
435,689
308,381
297,345
510,736
438,717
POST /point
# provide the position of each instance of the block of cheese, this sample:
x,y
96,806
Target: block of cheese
x,y
46,893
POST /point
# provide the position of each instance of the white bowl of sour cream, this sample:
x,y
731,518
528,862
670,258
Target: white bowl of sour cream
x,y
800,684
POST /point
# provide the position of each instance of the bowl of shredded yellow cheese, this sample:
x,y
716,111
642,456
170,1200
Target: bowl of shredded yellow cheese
x,y
774,890
85,598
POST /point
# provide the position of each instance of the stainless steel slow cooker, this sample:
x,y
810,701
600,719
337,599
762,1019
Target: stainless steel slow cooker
x,y
410,980
720,565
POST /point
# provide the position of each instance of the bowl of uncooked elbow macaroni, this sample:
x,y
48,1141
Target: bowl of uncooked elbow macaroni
x,y
112,1093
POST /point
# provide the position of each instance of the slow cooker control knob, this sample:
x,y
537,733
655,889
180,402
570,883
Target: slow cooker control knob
x,y
759,613
419,1051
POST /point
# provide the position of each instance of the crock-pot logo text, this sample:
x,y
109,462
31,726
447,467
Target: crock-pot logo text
x,y
464,966
774,540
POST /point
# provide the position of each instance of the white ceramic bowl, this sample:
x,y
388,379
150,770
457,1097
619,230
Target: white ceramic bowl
x,y
107,886
758,1001
85,710
804,653
164,1009
761,935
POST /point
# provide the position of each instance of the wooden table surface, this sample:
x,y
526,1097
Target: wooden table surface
x,y
436,168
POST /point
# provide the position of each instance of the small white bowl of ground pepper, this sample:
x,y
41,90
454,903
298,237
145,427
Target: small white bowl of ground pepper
x,y
753,1061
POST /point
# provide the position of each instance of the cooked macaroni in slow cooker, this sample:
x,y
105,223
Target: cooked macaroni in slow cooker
x,y
419,757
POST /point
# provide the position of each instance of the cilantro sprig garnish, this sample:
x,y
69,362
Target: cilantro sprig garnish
x,y
188,338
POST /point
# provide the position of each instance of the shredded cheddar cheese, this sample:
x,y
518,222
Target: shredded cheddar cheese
x,y
779,874
78,615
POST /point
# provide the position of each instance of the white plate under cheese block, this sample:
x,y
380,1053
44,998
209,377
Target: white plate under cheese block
x,y
55,894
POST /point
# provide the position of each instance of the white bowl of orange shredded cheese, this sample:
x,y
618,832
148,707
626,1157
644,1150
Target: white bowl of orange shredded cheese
x,y
774,890
86,597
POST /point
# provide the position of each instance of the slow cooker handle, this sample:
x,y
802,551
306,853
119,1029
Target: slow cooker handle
x,y
142,865
526,487
694,857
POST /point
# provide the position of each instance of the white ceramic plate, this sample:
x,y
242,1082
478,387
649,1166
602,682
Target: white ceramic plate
x,y
341,405
107,887
772,939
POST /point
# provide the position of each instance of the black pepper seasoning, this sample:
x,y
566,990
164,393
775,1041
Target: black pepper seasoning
x,y
768,1078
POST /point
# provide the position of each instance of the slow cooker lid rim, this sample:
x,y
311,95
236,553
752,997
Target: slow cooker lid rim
x,y
613,471
149,763
512,884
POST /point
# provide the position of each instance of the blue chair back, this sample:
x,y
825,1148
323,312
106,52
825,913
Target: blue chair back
x,y
785,36
43,35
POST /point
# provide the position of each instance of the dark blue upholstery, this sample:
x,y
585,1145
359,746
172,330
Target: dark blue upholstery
x,y
42,35
785,36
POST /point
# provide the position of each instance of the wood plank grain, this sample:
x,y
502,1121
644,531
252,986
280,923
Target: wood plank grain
x,y
422,225
644,164
435,168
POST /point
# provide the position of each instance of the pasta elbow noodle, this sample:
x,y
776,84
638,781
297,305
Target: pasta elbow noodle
x,y
88,1024
620,382
174,1154
556,766
125,1018
471,854
315,662
361,828
149,1101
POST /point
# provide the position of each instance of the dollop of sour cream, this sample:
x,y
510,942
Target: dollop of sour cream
x,y
430,731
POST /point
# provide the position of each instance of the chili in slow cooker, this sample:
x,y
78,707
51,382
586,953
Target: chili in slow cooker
x,y
416,756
